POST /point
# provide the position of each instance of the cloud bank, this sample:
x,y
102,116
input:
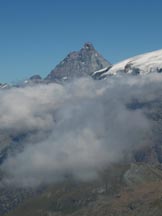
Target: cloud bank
x,y
74,129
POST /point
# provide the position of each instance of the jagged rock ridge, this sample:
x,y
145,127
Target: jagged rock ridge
x,y
78,64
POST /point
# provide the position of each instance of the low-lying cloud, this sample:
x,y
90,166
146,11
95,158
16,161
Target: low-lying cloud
x,y
76,128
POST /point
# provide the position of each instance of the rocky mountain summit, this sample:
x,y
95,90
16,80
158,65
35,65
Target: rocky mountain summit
x,y
79,64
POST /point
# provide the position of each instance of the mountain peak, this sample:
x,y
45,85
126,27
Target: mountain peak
x,y
88,46
35,77
78,64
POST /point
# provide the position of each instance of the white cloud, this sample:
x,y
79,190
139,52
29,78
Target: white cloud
x,y
88,122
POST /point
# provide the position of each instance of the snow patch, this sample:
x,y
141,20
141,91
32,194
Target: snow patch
x,y
146,63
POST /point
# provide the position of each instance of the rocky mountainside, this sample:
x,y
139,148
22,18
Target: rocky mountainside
x,y
123,189
79,64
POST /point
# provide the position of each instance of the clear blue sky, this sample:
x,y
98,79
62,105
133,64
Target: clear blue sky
x,y
36,34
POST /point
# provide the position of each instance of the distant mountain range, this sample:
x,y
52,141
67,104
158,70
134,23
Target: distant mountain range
x,y
89,62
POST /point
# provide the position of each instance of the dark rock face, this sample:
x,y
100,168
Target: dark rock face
x,y
132,70
159,70
79,64
35,77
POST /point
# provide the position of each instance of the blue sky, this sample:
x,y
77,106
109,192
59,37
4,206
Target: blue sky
x,y
36,34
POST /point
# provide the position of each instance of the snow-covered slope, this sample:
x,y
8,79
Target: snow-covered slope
x,y
97,74
141,64
4,86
